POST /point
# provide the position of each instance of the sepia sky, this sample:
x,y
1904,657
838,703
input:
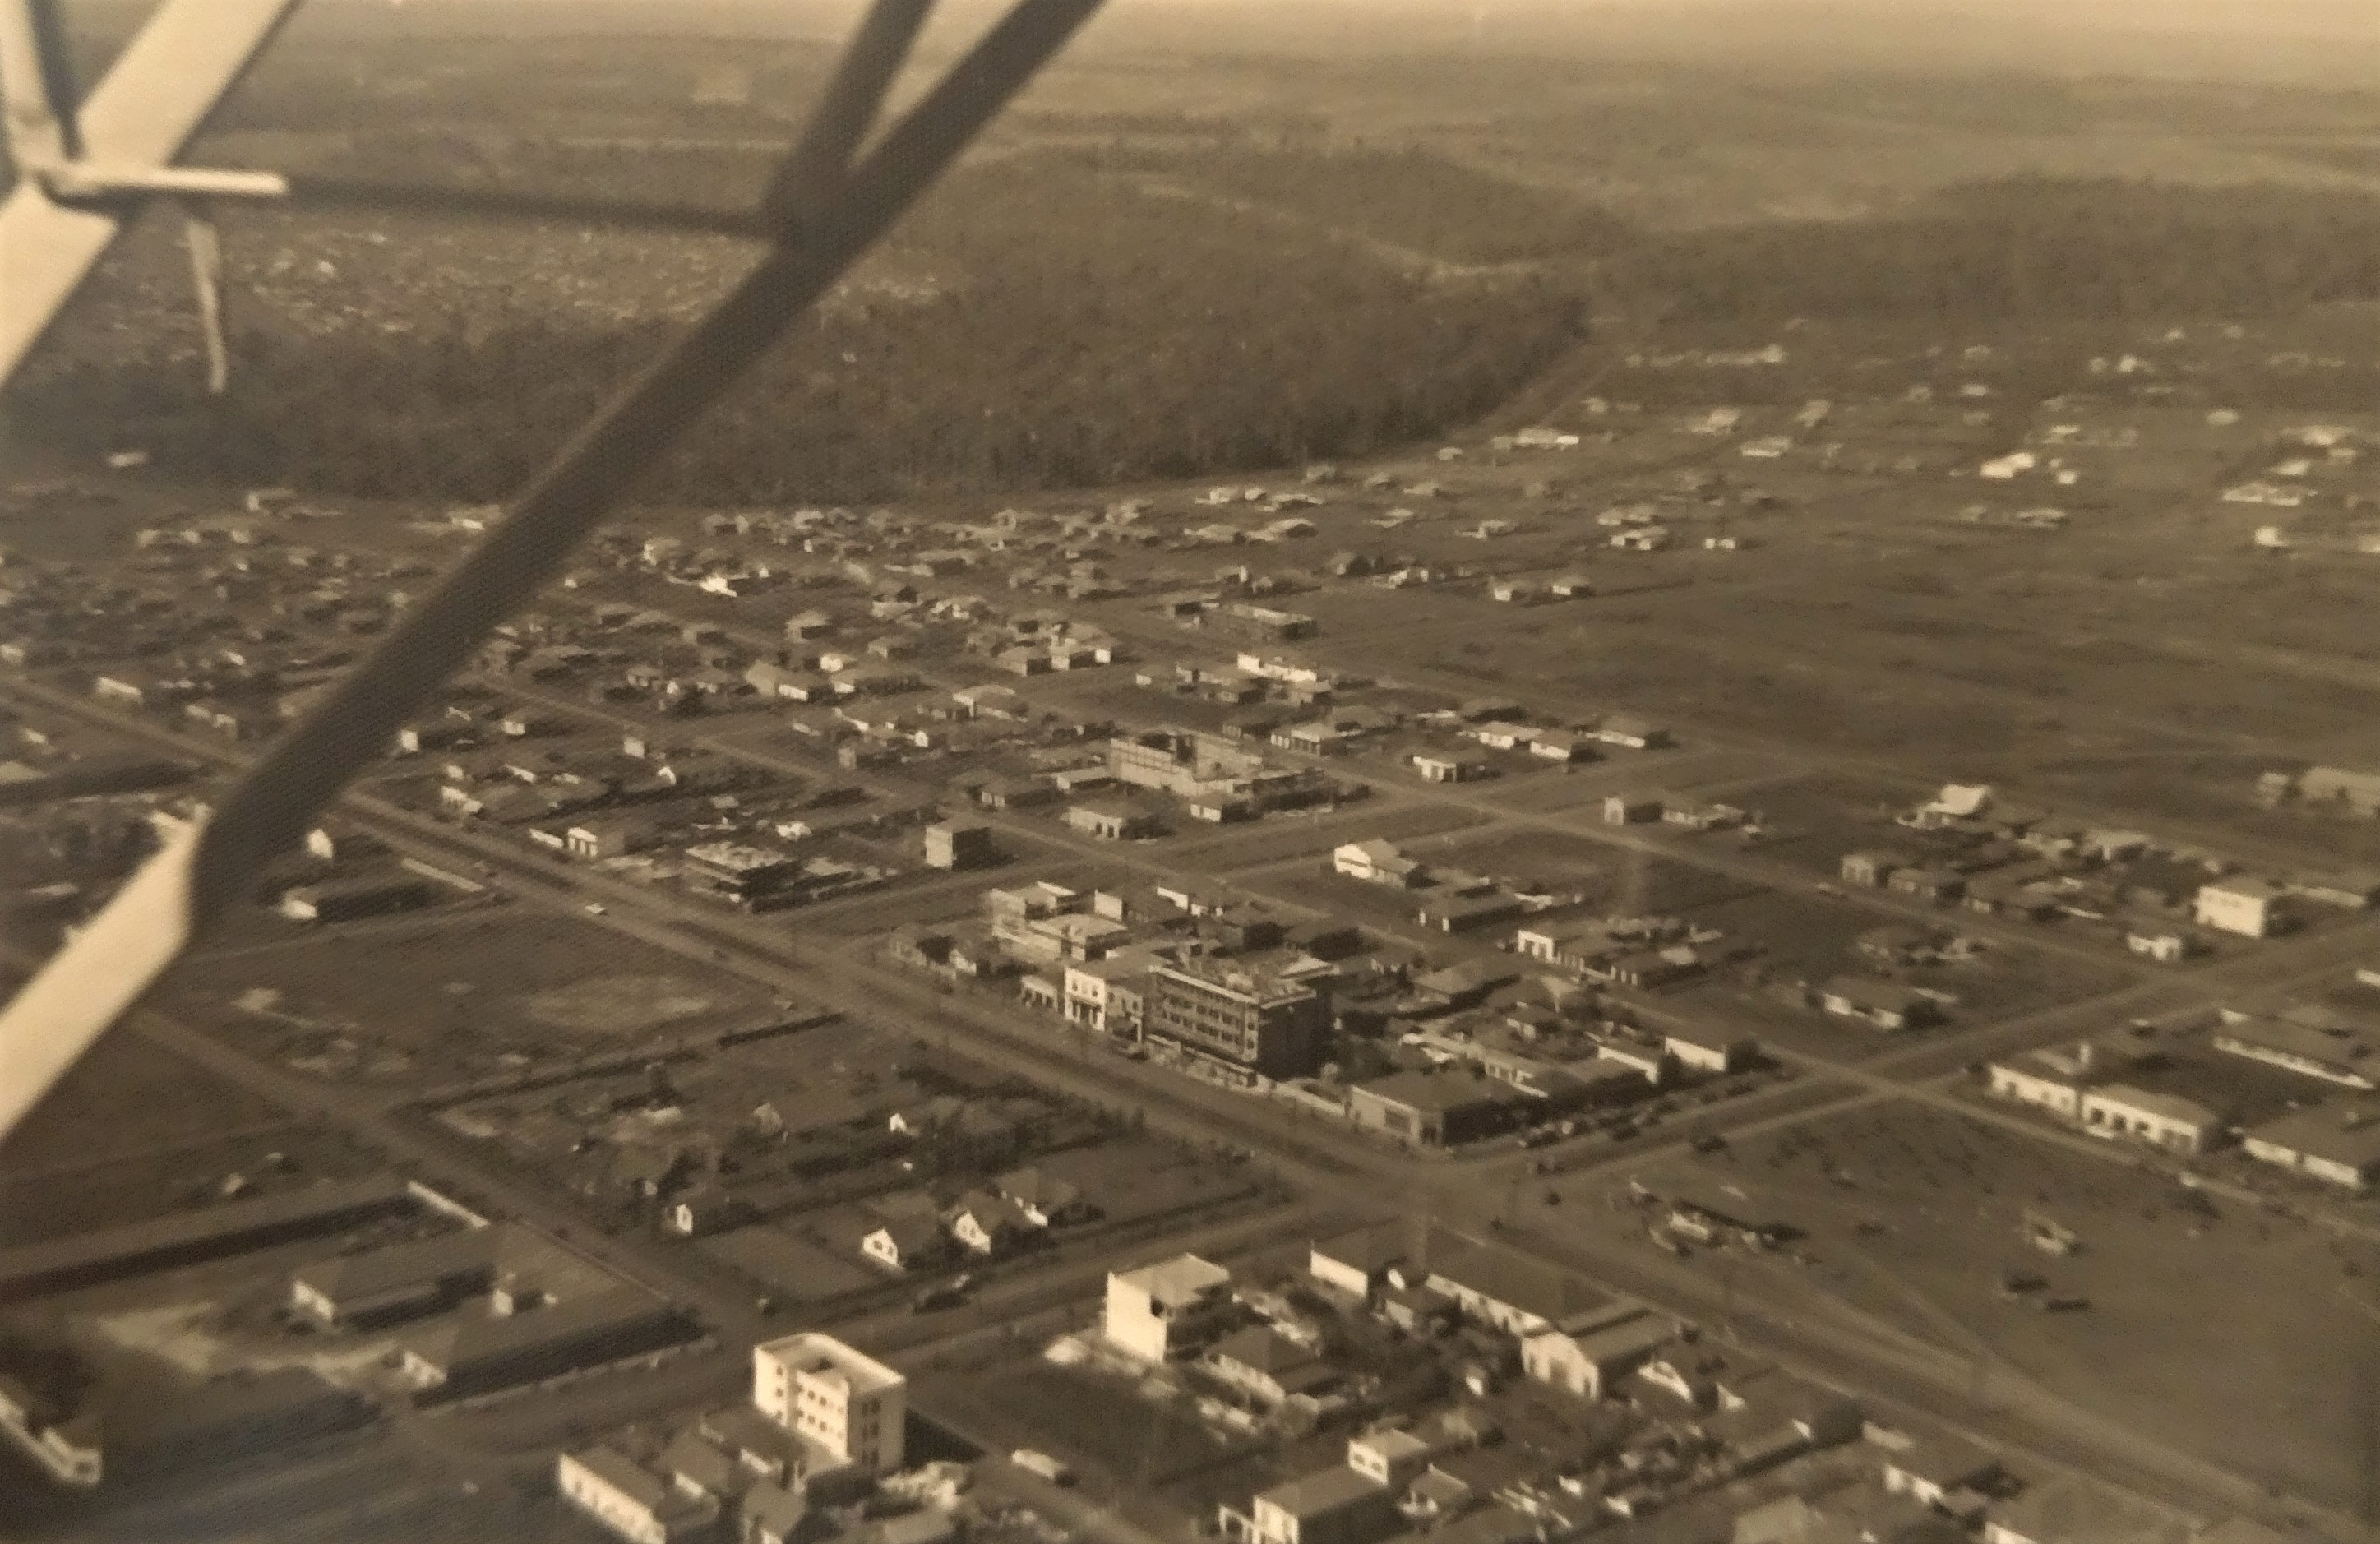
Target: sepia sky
x,y
2329,44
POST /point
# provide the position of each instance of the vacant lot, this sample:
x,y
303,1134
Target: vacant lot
x,y
129,1095
798,1268
1097,1421
2226,1332
505,992
175,1176
1130,1178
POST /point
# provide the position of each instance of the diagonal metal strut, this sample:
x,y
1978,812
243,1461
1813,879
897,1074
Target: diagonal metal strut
x,y
826,209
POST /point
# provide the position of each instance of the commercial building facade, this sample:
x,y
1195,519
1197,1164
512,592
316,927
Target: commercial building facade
x,y
1250,1024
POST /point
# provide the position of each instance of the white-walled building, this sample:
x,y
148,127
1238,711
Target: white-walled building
x,y
2250,907
1174,1309
817,1388
2054,1077
2164,1120
631,1500
2336,1143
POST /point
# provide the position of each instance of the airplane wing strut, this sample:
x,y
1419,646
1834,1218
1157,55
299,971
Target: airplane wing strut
x,y
826,208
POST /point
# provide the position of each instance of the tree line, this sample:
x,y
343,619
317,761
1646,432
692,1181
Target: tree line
x,y
2025,248
1085,331
1088,335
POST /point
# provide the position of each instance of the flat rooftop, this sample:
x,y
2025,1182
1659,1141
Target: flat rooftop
x,y
812,1353
1183,1279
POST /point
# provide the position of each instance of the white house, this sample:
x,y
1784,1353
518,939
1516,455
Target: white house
x,y
1932,1471
1046,1199
2251,907
2164,1120
1356,1263
907,1243
1588,1360
989,1224
1377,862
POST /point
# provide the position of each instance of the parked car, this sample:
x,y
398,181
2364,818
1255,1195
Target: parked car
x,y
1033,1461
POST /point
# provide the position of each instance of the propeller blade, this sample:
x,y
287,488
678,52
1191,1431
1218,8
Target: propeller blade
x,y
206,279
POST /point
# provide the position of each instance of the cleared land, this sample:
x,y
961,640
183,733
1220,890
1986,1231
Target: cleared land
x,y
501,992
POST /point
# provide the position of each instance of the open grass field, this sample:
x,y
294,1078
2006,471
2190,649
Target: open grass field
x,y
128,1095
2238,1336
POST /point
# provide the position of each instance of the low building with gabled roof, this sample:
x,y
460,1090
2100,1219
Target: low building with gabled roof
x,y
2338,1143
630,1500
1044,1198
908,1242
1330,1507
401,1280
1268,1366
1510,1291
2160,1119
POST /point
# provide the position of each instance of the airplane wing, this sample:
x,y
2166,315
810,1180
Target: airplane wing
x,y
184,62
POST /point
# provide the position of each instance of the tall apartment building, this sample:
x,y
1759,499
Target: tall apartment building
x,y
1254,1023
822,1389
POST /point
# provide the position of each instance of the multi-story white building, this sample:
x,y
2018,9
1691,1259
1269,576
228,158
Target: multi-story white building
x,y
822,1389
1177,1307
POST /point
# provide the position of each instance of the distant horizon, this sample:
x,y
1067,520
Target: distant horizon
x,y
2203,40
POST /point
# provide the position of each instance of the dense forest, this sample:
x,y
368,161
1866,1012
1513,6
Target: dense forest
x,y
1082,328
2027,248
1089,334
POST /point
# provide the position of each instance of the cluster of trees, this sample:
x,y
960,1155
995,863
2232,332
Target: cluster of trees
x,y
2029,248
1089,334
